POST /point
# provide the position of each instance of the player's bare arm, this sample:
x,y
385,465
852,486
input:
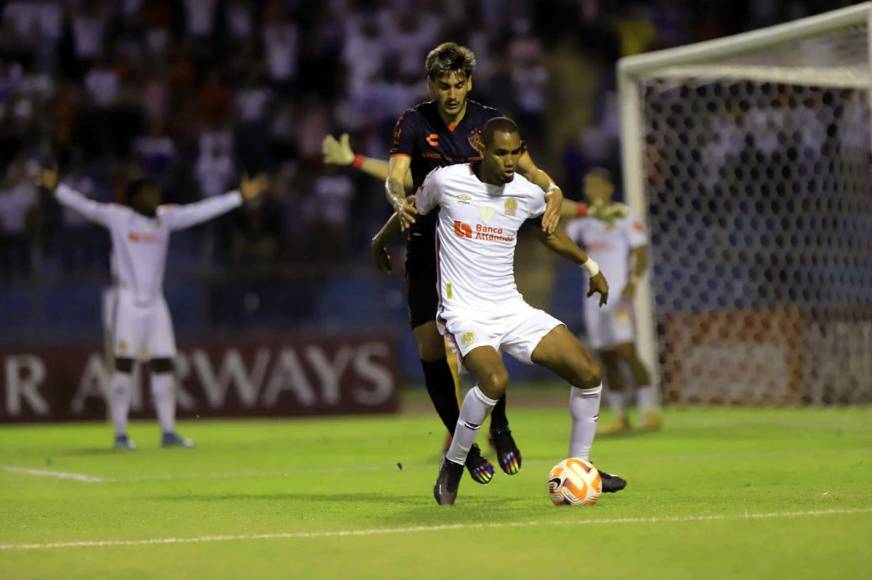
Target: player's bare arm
x,y
339,152
638,264
553,194
561,244
398,170
378,246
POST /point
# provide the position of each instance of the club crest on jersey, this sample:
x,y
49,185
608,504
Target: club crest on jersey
x,y
487,214
467,337
122,346
511,207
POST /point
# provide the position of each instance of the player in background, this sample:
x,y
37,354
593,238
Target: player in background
x,y
435,134
141,324
620,248
482,207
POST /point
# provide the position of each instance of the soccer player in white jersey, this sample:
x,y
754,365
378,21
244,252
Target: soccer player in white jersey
x,y
483,205
141,324
620,249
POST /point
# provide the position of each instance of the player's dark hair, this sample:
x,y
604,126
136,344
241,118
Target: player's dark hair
x,y
135,187
602,173
503,124
450,57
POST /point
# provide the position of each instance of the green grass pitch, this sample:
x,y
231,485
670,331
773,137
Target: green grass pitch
x,y
718,493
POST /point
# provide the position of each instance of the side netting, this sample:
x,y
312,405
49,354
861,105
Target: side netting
x,y
755,175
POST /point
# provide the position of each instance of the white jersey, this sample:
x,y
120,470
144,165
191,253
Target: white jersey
x,y
139,243
476,234
609,245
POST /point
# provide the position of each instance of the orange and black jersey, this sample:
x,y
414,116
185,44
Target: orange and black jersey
x,y
422,135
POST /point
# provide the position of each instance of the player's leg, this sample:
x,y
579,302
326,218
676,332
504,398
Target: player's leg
x,y
560,351
646,393
423,301
120,392
615,393
486,365
126,344
162,348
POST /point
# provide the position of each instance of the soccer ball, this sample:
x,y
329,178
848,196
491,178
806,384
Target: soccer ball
x,y
574,481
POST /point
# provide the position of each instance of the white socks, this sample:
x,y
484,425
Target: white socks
x,y
476,407
617,401
119,400
584,407
646,395
163,393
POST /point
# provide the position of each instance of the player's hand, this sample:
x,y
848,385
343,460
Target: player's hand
x,y
607,213
252,188
406,210
337,152
380,257
551,217
628,292
47,177
599,285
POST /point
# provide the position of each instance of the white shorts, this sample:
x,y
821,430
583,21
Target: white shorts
x,y
517,330
141,331
609,326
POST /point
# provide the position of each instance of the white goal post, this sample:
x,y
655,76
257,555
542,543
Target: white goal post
x,y
748,157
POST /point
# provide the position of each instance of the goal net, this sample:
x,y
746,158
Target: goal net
x,y
749,157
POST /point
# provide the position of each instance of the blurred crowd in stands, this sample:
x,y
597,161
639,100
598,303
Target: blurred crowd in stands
x,y
196,92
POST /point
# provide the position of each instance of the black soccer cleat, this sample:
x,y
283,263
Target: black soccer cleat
x,y
445,490
480,469
612,483
508,453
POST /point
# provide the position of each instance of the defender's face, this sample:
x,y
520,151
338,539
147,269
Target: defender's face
x,y
450,91
597,189
501,156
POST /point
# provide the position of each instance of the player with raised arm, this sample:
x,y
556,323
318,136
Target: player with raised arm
x,y
620,248
141,324
434,134
482,207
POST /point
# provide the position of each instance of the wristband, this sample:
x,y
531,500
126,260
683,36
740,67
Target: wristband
x,y
551,187
358,161
591,266
581,209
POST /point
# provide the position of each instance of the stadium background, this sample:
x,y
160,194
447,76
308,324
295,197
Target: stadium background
x,y
195,93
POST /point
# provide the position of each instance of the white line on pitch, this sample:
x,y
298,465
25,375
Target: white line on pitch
x,y
439,528
56,474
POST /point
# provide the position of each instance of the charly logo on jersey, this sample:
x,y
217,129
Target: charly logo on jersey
x,y
511,207
464,198
487,213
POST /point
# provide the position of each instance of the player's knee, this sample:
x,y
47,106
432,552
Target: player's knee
x,y
494,383
590,375
124,364
161,365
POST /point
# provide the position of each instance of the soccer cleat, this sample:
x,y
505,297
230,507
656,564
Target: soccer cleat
x,y
614,427
507,452
124,443
612,483
173,439
480,469
651,421
445,490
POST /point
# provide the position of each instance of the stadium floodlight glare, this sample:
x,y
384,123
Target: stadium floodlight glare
x,y
750,159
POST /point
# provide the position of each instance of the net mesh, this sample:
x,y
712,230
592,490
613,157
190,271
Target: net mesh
x,y
759,202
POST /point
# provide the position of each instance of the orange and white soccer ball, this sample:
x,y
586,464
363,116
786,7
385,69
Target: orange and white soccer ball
x,y
574,481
